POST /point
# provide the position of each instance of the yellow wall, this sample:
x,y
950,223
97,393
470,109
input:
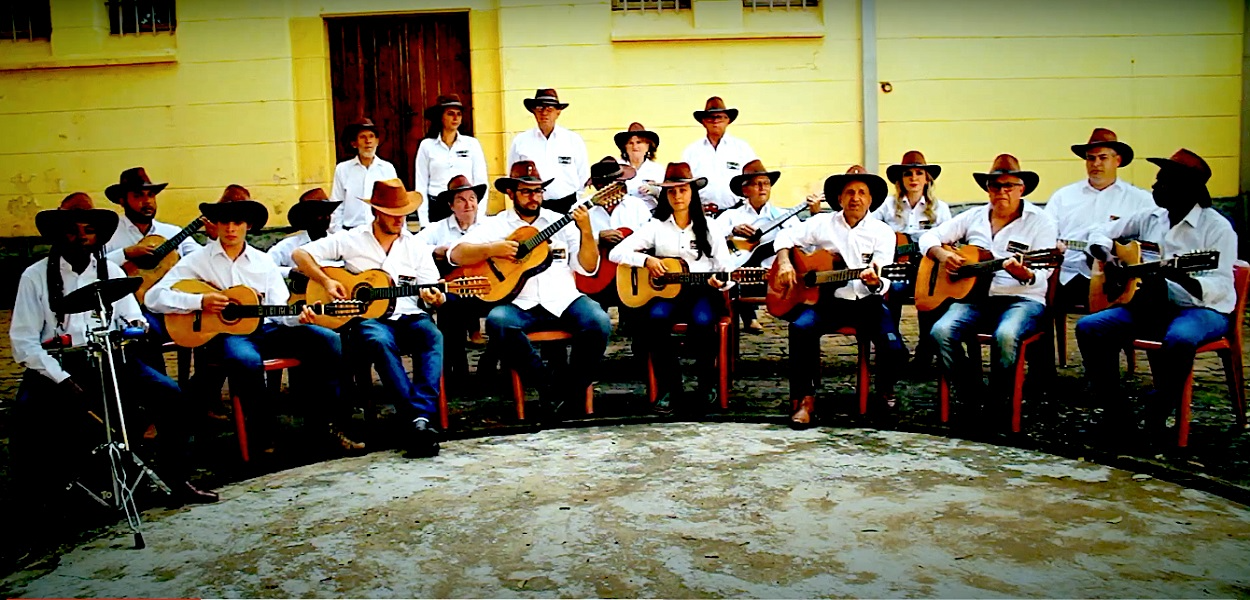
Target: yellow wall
x,y
240,93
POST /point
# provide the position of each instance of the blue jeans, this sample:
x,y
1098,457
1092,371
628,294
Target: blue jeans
x,y
1102,335
507,326
700,309
382,342
1010,318
870,319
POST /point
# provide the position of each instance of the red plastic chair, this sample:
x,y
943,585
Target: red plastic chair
x,y
518,389
240,421
723,332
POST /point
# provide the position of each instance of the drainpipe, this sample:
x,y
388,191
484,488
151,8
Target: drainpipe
x,y
868,73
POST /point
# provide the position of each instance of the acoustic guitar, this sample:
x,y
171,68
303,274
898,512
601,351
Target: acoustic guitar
x,y
904,247
1105,293
163,257
739,246
508,276
636,286
377,293
242,317
816,269
935,285
605,275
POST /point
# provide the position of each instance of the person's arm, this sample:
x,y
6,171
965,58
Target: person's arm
x,y
281,255
942,212
162,298
1212,287
421,179
582,160
274,289
629,251
931,241
583,245
308,259
1102,238
478,176
477,246
26,330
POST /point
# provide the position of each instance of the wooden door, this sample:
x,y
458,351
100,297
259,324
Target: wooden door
x,y
389,68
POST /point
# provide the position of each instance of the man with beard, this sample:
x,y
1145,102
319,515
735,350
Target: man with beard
x,y
354,178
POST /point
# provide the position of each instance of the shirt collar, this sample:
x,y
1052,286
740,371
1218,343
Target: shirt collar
x,y
1195,215
1091,189
214,248
440,141
723,139
91,266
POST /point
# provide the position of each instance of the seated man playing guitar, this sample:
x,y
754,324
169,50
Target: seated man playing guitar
x,y
611,223
1012,302
753,225
386,244
1183,310
546,296
863,243
679,232
229,261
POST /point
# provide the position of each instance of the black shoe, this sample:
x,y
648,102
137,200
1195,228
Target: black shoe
x,y
422,440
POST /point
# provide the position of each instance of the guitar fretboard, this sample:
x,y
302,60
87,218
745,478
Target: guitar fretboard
x,y
534,241
400,291
170,244
741,275
1076,244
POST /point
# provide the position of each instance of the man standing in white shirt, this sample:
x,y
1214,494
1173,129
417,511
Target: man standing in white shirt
x,y
547,300
718,156
354,178
554,150
744,221
1081,208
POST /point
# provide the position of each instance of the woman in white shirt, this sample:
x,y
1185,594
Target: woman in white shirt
x,y
679,232
445,153
637,146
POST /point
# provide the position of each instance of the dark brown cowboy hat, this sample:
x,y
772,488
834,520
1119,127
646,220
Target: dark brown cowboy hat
x,y
608,170
76,208
392,198
1105,138
522,171
715,105
1006,164
458,184
636,129
677,173
836,183
435,113
234,193
312,204
749,172
912,159
132,179
546,97
1190,166
236,205
354,128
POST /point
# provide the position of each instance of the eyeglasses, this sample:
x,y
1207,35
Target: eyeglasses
x,y
529,191
716,118
995,185
544,108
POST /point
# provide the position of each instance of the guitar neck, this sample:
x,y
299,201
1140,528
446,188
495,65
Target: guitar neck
x,y
836,276
779,221
1076,245
244,311
171,244
403,291
702,276
982,268
598,199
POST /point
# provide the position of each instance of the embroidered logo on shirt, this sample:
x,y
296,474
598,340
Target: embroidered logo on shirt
x,y
558,254
733,166
1150,251
1115,217
462,153
925,224
564,160
694,245
407,280
1016,247
866,258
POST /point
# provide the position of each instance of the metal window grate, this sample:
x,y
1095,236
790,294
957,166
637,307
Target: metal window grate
x,y
25,20
141,16
651,5
771,4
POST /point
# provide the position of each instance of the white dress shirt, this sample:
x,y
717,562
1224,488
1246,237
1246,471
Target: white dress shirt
x,y
561,157
409,262
747,215
1034,230
912,221
630,213
1078,209
1201,229
869,242
353,181
719,165
670,241
128,235
33,321
650,171
282,252
436,164
446,232
555,288
212,265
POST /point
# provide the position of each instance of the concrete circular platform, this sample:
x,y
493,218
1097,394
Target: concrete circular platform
x,y
683,510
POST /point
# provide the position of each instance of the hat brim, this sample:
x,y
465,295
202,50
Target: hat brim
x,y
531,104
504,184
894,173
735,183
626,173
251,212
304,212
1124,150
1029,178
732,113
351,131
697,183
447,196
1189,172
414,202
834,185
434,113
116,192
622,138
51,223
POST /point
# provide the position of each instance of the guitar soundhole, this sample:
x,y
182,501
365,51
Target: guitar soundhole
x,y
361,293
227,313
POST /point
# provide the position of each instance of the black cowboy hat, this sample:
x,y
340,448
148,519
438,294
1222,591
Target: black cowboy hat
x,y
312,204
354,128
76,208
912,159
133,179
435,112
544,97
522,171
251,212
636,129
458,184
749,172
1006,164
836,183
1106,138
608,169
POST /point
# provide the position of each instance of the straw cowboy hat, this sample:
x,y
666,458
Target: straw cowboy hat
x,y
458,184
836,183
236,204
1006,164
76,208
1105,138
912,159
1189,165
133,179
749,172
679,173
608,170
522,171
715,105
392,198
312,204
545,97
435,112
636,129
354,128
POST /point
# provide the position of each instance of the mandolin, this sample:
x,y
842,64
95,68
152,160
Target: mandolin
x,y
636,286
813,270
1105,293
935,285
163,257
242,317
375,291
507,277
606,274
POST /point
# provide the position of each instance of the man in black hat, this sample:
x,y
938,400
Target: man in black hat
x,y
1184,310
136,194
556,151
354,177
61,391
310,218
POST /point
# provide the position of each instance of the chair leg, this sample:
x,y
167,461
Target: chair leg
x,y
1061,337
1130,355
723,370
184,367
442,402
1236,382
590,399
240,426
944,398
1182,421
518,394
863,380
1017,389
651,391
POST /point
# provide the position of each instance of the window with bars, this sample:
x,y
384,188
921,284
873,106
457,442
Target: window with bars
x,y
141,16
763,4
25,20
650,5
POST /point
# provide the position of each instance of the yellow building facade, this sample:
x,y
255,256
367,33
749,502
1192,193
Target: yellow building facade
x,y
241,91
